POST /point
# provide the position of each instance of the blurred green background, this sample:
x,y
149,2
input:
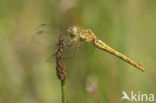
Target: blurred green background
x,y
128,26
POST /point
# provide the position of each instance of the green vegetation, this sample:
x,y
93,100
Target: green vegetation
x,y
126,25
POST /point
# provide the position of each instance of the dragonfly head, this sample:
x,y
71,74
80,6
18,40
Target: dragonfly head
x,y
73,31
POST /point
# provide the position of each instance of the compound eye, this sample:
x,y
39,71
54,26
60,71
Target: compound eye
x,y
73,31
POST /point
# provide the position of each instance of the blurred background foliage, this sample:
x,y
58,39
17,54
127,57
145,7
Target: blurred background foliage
x,y
126,25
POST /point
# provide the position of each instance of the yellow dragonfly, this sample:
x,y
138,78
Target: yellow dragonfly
x,y
78,34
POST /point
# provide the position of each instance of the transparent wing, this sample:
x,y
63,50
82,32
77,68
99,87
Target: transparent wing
x,y
78,51
45,42
45,34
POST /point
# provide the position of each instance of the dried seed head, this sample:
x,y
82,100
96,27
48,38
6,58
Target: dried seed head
x,y
60,66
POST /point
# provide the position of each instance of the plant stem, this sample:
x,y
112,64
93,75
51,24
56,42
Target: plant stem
x,y
63,90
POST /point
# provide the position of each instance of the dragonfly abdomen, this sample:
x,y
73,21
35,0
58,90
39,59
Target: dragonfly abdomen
x,y
101,45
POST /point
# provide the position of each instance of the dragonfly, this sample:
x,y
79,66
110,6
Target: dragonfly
x,y
75,39
78,34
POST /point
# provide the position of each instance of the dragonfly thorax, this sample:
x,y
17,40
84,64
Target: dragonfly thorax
x,y
81,34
